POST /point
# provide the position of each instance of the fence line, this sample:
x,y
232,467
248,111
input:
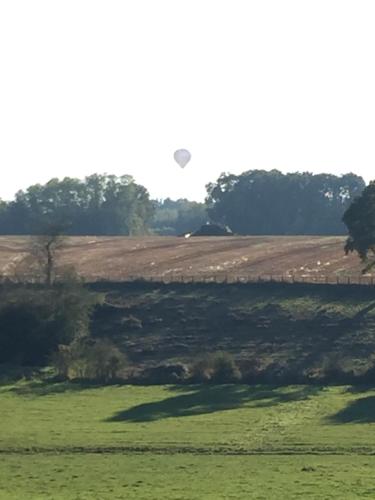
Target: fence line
x,y
261,278
228,278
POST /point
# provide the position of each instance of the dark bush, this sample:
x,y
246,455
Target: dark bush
x,y
35,320
164,374
10,373
219,368
332,368
97,360
25,337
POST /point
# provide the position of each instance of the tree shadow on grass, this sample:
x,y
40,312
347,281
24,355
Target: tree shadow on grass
x,y
360,411
204,399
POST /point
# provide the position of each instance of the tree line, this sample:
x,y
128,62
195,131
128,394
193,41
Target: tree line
x,y
261,202
254,202
97,205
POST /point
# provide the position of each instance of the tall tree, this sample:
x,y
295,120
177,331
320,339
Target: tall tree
x,y
360,221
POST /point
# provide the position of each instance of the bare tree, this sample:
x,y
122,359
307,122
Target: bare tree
x,y
45,249
41,259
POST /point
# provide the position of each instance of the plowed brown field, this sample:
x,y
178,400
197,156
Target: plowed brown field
x,y
119,258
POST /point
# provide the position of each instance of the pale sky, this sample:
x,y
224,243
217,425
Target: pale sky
x,y
117,85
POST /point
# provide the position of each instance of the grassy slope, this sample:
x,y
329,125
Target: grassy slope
x,y
61,441
260,324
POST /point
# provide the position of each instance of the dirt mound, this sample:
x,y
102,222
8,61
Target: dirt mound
x,y
213,230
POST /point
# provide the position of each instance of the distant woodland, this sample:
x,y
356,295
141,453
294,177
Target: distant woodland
x,y
254,202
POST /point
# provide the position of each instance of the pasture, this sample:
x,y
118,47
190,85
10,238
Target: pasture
x,y
68,441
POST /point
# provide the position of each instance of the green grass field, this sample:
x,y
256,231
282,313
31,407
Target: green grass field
x,y
61,441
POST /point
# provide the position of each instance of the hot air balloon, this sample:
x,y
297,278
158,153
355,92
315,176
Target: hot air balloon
x,y
182,157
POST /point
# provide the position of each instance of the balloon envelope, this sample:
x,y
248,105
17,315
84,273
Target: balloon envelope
x,y
182,157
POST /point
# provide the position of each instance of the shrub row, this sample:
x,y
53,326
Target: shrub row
x,y
101,361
